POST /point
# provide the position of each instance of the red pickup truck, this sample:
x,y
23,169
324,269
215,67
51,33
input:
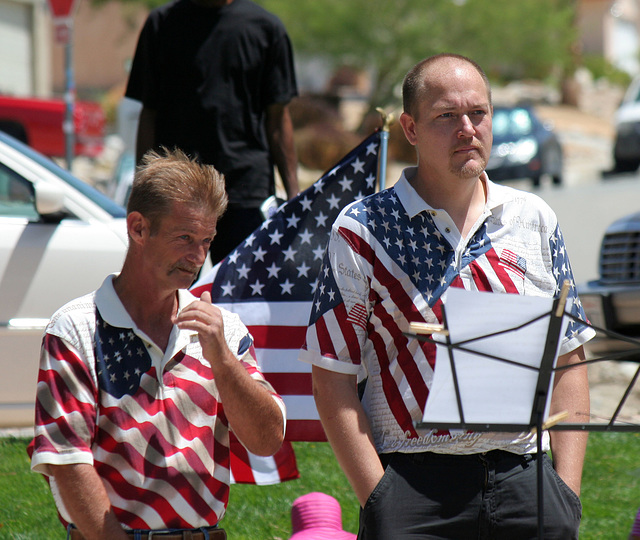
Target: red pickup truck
x,y
38,123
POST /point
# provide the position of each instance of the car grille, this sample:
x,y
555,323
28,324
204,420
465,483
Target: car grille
x,y
620,257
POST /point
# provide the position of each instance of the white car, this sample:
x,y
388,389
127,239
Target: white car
x,y
59,238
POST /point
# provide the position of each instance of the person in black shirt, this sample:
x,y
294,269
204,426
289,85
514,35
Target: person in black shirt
x,y
215,78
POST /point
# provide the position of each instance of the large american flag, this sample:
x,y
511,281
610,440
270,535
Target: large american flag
x,y
270,280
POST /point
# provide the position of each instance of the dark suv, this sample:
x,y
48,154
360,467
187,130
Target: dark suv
x,y
612,302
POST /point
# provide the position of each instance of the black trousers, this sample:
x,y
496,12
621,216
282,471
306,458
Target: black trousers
x,y
232,229
490,496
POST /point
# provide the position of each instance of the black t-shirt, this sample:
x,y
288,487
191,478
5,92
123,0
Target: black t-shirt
x,y
210,73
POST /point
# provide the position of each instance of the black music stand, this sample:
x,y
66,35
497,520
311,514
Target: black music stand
x,y
537,422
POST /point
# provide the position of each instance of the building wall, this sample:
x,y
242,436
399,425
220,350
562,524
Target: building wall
x,y
624,45
611,28
104,41
24,48
592,15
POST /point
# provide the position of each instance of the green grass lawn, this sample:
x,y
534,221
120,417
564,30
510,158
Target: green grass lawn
x,y
610,493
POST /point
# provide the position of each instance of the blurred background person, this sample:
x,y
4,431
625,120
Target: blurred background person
x,y
215,78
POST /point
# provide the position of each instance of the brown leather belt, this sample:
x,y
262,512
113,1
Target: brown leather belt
x,y
212,533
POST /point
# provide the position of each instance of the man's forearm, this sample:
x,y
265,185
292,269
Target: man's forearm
x,y
87,501
250,409
146,136
348,430
571,394
282,147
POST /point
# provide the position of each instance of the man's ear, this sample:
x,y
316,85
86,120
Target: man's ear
x,y
138,227
409,128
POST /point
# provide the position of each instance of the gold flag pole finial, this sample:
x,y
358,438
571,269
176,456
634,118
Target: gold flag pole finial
x,y
388,119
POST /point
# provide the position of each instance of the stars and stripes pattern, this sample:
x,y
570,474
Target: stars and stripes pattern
x,y
413,265
562,272
513,262
99,401
121,359
358,315
269,280
400,266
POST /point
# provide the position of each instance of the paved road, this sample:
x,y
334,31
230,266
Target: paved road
x,y
585,210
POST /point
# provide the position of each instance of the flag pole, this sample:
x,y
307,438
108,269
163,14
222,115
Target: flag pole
x,y
387,121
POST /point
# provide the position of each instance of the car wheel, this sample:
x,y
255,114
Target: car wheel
x,y
536,180
14,129
552,163
626,165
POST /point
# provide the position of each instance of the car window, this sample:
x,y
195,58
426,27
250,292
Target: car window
x,y
512,122
92,193
17,197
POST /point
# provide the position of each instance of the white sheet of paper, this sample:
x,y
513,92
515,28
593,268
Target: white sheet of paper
x,y
491,391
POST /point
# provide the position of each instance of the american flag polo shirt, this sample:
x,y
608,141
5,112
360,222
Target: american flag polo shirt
x,y
150,422
389,262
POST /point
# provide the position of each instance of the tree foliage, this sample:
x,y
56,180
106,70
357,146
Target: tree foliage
x,y
524,39
511,39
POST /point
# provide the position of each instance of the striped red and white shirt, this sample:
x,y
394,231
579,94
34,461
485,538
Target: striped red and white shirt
x,y
151,423
390,260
